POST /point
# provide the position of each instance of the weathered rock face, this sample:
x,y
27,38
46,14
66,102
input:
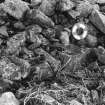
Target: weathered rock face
x,y
8,98
15,8
98,19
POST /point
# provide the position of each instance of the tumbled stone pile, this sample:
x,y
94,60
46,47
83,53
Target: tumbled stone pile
x,y
52,52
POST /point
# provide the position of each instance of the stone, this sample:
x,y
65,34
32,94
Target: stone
x,y
98,19
42,99
75,102
66,5
91,40
48,7
65,38
43,71
3,31
15,8
73,13
101,1
23,65
52,61
8,69
19,25
15,42
34,29
84,8
38,17
101,54
95,96
8,98
36,2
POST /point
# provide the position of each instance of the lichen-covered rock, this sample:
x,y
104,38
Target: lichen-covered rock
x,y
15,8
48,7
38,17
8,98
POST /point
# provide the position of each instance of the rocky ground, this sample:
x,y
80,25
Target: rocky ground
x,y
52,52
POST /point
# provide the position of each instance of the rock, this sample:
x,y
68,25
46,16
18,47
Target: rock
x,y
8,69
101,54
23,65
48,7
34,29
101,1
3,16
88,57
52,61
43,71
84,8
8,98
73,13
49,32
38,17
95,96
19,25
66,5
15,8
91,40
98,19
65,38
15,42
3,31
42,99
92,1
75,102
36,2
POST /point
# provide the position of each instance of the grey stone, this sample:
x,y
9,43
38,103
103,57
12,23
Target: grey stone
x,y
15,42
36,2
66,5
48,7
75,102
8,98
98,19
38,17
15,8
